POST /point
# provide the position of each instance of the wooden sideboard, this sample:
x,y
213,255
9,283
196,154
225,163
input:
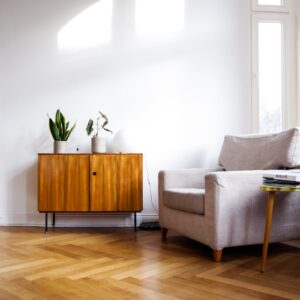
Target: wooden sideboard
x,y
100,183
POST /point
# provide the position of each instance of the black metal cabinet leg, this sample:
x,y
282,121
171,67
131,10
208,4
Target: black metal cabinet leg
x,y
46,222
53,219
135,229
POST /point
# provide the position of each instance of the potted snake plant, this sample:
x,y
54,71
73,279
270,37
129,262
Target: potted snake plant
x,y
60,131
98,141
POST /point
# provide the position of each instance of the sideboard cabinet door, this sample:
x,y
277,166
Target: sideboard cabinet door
x,y
77,183
116,182
51,192
103,183
63,183
130,183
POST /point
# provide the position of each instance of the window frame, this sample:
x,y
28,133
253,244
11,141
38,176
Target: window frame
x,y
269,18
271,8
291,107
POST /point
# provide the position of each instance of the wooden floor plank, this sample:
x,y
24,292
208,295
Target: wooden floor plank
x,y
116,263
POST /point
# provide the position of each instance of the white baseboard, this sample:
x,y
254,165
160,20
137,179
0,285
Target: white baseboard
x,y
76,219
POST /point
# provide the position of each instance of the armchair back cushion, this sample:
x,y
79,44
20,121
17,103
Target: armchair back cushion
x,y
261,152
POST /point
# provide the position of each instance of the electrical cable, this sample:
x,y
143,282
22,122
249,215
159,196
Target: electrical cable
x,y
150,187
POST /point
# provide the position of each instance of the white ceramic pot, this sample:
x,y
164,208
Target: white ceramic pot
x,y
59,146
98,144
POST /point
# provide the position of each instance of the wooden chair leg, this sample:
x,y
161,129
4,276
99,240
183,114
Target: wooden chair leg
x,y
164,232
218,255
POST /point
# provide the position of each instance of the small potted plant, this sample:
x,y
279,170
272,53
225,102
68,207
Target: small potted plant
x,y
60,131
98,141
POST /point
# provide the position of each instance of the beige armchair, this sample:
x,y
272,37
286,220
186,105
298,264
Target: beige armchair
x,y
225,208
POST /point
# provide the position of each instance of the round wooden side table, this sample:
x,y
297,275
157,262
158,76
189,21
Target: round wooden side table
x,y
269,214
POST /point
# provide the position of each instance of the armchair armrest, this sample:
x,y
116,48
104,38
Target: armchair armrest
x,y
235,207
184,178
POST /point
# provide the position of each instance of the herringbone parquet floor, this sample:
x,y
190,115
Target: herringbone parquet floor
x,y
119,264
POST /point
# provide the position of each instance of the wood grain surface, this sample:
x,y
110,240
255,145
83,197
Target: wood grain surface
x,y
130,183
104,183
77,183
110,263
51,183
90,182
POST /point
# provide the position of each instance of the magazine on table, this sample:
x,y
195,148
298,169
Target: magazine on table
x,y
284,176
281,183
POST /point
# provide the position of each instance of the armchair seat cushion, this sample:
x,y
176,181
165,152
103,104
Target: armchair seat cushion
x,y
185,199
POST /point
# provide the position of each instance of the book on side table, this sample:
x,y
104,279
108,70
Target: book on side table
x,y
284,178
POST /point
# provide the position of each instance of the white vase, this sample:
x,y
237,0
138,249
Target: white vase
x,y
59,146
98,144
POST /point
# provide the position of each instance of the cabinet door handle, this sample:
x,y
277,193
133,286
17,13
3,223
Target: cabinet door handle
x,y
94,173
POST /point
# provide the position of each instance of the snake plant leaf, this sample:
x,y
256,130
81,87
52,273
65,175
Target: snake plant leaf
x,y
69,132
54,130
63,125
58,123
89,127
60,128
57,117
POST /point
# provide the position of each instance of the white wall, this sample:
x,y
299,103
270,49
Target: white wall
x,y
178,95
297,64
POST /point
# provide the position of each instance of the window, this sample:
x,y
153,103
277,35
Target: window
x,y
270,76
268,72
270,5
270,66
270,2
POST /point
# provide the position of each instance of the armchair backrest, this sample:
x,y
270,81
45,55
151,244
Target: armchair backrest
x,y
261,151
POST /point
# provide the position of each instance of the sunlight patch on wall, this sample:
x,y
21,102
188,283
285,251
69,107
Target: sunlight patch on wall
x,y
90,28
156,18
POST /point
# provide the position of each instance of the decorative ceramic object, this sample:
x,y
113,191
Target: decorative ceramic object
x,y
98,144
59,146
120,142
126,141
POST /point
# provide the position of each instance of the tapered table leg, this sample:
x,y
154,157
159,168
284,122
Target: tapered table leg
x,y
268,225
